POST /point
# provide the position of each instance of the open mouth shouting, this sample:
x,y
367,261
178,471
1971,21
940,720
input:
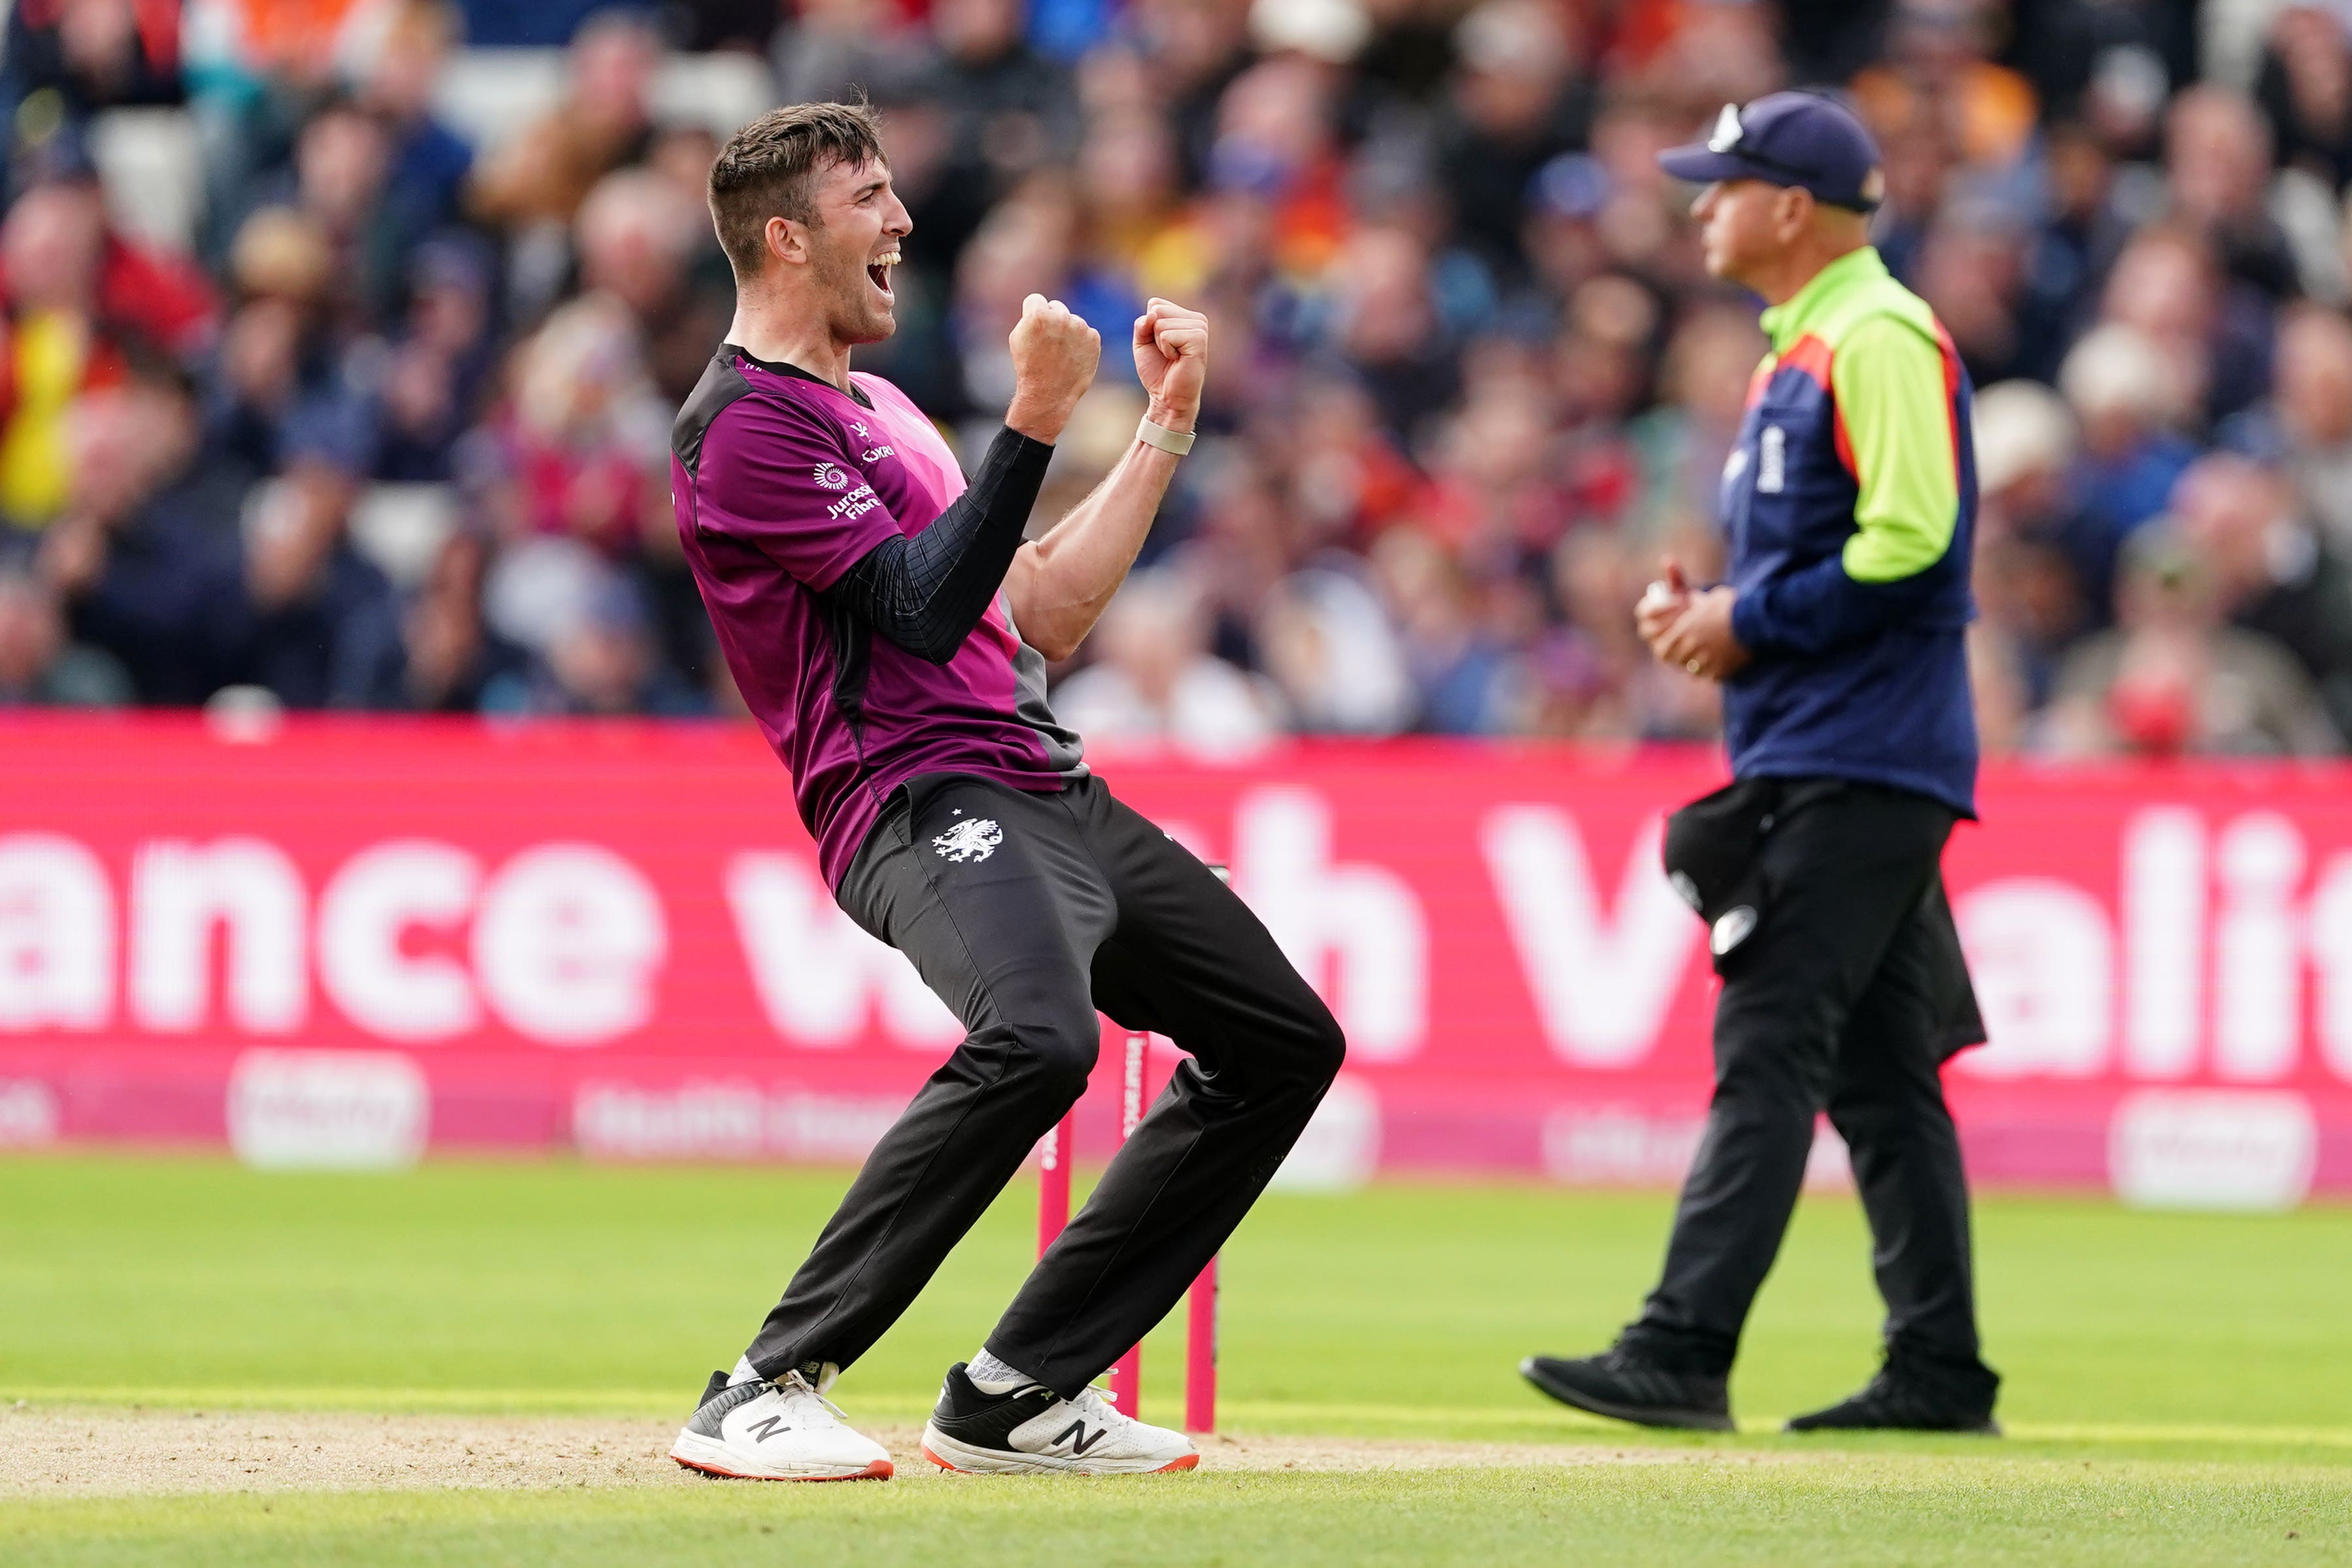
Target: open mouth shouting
x,y
878,270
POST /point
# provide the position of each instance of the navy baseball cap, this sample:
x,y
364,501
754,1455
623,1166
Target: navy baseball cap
x,y
1788,139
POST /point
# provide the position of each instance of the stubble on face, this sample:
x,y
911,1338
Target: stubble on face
x,y
842,243
841,261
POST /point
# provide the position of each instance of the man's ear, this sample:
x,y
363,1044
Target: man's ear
x,y
787,240
1796,214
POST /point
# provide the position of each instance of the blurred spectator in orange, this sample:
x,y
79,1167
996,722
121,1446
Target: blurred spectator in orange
x,y
1937,74
296,38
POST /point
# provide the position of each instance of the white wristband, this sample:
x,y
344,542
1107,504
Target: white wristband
x,y
1174,442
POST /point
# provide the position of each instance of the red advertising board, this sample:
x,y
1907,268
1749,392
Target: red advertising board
x,y
356,940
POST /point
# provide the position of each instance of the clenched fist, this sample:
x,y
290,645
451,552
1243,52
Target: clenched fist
x,y
1054,359
1171,356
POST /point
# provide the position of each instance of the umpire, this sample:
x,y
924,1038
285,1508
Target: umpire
x,y
1849,505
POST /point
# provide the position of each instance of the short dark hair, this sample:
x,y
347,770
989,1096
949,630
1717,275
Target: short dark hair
x,y
769,169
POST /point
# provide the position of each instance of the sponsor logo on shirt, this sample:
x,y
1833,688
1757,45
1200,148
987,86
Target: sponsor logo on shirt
x,y
874,454
1772,460
856,504
831,475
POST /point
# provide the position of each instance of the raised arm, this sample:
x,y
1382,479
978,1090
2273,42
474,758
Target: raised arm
x,y
1059,585
926,593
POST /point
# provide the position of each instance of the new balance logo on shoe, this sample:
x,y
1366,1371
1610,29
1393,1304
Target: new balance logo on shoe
x,y
761,1431
1033,1431
1075,1435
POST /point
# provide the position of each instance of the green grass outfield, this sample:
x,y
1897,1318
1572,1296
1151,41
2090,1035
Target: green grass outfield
x,y
2179,1386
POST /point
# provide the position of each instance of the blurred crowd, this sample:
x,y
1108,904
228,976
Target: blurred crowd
x,y
389,429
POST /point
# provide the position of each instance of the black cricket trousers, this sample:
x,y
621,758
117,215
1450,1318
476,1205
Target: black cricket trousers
x,y
1026,913
1836,1002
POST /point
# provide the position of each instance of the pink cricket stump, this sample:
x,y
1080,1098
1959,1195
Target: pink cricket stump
x,y
1055,1155
1054,1182
1126,1373
1201,1353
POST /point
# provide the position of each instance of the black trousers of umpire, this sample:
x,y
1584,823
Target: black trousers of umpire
x,y
1026,913
1836,1002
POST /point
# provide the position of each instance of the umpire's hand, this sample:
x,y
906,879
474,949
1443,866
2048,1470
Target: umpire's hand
x,y
1693,630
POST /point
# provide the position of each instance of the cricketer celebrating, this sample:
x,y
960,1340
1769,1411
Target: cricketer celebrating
x,y
1849,503
888,628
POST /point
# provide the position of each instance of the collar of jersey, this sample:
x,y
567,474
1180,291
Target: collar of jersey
x,y
1786,322
778,367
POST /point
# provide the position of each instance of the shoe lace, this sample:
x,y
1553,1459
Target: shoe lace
x,y
1099,1402
794,1387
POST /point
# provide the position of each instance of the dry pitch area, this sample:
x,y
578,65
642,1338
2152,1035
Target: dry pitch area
x,y
473,1365
95,1451
84,1484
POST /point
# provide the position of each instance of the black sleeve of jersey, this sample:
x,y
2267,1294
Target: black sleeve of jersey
x,y
926,593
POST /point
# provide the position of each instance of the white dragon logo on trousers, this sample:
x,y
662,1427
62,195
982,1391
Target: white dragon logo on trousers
x,y
974,838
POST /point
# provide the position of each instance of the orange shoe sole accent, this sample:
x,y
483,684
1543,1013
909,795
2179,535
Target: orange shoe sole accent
x,y
1187,1462
879,1470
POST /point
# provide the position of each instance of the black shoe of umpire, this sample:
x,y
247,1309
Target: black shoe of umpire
x,y
1627,1387
1904,1399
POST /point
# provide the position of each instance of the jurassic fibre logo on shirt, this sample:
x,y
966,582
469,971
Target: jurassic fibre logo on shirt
x,y
856,504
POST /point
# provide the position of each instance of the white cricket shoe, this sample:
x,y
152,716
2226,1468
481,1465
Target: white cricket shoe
x,y
1033,1431
781,1431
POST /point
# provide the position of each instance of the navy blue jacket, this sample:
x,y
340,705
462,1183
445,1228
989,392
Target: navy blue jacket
x,y
1850,506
